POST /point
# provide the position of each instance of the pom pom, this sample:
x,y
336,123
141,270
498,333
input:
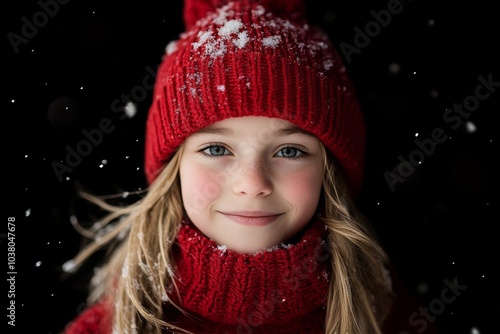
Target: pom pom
x,y
198,9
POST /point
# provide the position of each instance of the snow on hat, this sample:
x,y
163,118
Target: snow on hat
x,y
253,58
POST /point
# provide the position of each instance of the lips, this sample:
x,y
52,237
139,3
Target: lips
x,y
253,218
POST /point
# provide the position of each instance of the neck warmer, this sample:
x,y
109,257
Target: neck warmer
x,y
278,290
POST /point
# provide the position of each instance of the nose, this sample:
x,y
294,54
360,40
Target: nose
x,y
252,179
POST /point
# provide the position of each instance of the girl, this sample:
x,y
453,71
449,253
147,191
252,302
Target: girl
x,y
254,154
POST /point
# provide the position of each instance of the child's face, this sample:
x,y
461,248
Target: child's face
x,y
250,183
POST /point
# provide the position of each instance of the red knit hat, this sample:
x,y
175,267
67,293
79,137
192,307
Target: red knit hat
x,y
253,58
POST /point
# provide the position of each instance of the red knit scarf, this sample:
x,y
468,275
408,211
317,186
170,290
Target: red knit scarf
x,y
280,290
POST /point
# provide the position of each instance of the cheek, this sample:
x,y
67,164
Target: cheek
x,y
303,190
200,187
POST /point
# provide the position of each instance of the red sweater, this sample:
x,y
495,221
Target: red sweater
x,y
279,291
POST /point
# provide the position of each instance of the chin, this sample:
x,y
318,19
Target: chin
x,y
248,247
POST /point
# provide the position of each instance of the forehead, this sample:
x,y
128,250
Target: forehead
x,y
258,125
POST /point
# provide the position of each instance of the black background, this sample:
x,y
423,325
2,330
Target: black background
x,y
439,224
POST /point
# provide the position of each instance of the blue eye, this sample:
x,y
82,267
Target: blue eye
x,y
291,153
215,150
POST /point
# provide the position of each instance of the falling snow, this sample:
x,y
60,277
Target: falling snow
x,y
394,68
470,127
69,266
130,109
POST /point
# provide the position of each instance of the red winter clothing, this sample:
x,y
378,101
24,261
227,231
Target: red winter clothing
x,y
278,291
94,320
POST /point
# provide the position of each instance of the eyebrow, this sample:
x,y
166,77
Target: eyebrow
x,y
293,130
214,130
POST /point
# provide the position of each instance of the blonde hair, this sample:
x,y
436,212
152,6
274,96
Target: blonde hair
x,y
358,296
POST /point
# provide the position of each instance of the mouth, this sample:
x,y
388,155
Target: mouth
x,y
252,218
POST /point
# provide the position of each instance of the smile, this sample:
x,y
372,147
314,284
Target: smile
x,y
253,218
